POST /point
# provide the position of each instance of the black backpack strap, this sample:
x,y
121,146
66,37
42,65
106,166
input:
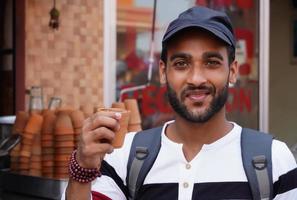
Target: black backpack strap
x,y
256,158
143,153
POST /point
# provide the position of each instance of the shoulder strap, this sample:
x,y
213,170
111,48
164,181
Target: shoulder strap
x,y
143,153
256,158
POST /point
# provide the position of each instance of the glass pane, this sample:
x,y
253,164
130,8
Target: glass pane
x,y
243,104
134,24
6,25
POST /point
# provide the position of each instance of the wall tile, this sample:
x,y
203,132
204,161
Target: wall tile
x,y
67,62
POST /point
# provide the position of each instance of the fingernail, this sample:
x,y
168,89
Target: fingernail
x,y
118,115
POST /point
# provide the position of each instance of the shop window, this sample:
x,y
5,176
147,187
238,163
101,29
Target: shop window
x,y
134,31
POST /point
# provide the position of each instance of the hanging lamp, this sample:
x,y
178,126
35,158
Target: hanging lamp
x,y
54,17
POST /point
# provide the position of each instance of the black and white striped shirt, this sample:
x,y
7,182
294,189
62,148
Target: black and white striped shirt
x,y
216,172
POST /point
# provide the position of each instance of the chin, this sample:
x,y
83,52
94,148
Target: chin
x,y
199,107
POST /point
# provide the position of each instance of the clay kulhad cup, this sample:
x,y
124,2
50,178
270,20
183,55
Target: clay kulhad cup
x,y
119,138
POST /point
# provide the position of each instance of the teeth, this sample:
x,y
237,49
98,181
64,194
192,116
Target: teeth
x,y
197,94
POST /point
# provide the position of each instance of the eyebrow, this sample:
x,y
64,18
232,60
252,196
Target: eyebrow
x,y
211,54
180,55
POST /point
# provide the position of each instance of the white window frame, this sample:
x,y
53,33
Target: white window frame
x,y
109,52
264,25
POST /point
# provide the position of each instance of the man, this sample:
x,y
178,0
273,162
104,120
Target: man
x,y
200,155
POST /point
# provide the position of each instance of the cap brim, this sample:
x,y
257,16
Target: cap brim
x,y
212,30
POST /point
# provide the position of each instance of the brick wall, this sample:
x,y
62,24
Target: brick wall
x,y
67,62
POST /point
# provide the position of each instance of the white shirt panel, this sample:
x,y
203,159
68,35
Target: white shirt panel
x,y
282,159
290,195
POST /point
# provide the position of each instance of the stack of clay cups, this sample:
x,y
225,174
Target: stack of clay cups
x,y
64,144
35,161
31,132
135,118
18,128
47,144
87,109
120,105
20,122
77,118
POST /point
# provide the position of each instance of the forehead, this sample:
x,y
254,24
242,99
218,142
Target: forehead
x,y
196,40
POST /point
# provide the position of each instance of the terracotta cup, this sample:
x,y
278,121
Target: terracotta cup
x,y
49,119
134,127
118,105
34,124
131,104
77,118
20,122
124,121
87,109
63,124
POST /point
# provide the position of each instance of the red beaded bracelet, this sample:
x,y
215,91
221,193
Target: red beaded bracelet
x,y
80,174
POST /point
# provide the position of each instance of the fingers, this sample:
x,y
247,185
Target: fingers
x,y
96,149
105,119
99,135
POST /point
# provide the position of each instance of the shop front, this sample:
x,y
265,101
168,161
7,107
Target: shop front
x,y
138,47
258,100
108,51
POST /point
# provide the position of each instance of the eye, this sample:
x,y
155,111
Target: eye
x,y
180,64
213,63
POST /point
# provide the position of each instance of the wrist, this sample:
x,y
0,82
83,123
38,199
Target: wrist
x,y
81,174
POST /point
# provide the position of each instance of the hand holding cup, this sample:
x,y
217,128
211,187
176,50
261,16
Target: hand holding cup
x,y
101,133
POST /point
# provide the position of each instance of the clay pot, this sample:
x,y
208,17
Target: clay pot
x,y
131,104
20,122
34,124
124,120
134,127
87,109
118,105
77,118
63,124
48,122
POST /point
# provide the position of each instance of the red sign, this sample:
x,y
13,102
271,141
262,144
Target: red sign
x,y
153,99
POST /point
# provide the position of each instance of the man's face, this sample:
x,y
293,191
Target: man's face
x,y
197,75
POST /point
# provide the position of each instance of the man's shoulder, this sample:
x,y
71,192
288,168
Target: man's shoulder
x,y
278,146
281,151
154,130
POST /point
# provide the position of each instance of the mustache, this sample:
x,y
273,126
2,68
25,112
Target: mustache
x,y
191,89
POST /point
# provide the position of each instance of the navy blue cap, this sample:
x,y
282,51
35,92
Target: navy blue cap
x,y
213,21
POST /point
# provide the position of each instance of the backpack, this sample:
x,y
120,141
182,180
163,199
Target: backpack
x,y
256,158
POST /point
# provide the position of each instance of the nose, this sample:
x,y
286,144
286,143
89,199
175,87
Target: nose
x,y
196,76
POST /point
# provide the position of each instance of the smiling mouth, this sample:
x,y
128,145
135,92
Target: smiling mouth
x,y
197,95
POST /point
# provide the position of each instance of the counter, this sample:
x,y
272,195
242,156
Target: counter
x,y
21,187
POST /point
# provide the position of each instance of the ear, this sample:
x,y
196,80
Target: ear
x,y
233,72
162,72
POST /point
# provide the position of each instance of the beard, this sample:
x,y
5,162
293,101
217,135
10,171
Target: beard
x,y
217,103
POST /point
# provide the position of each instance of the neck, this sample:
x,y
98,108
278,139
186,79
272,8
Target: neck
x,y
194,135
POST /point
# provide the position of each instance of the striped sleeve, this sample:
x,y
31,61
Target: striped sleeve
x,y
284,172
112,183
99,196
